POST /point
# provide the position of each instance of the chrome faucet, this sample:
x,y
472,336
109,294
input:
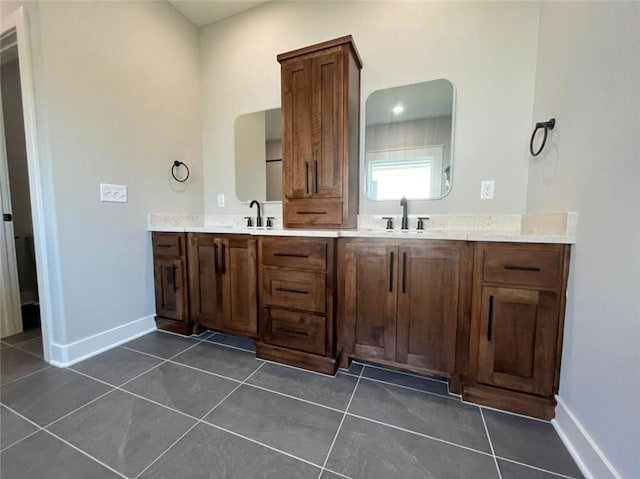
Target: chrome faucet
x,y
259,217
405,219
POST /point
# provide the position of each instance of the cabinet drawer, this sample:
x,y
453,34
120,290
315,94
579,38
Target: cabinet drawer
x,y
311,212
294,289
301,331
300,253
168,244
522,267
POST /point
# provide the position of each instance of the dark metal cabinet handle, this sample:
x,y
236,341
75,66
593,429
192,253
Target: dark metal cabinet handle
x,y
224,259
490,325
292,331
311,212
173,273
315,176
287,290
306,176
291,255
215,258
521,268
404,272
391,258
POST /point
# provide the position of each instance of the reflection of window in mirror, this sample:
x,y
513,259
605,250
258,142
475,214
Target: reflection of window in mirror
x,y
258,156
408,141
409,172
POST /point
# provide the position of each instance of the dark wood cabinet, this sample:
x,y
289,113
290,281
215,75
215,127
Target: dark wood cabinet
x,y
517,324
400,301
223,282
320,136
296,283
170,279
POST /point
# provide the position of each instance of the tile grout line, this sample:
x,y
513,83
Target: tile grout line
x,y
535,468
373,366
255,441
26,375
419,434
414,389
45,431
198,421
113,388
197,342
326,459
510,413
17,346
493,452
169,360
20,440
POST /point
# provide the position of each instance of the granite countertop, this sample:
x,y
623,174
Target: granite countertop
x,y
525,228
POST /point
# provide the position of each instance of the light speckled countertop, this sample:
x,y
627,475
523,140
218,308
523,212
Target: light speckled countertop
x,y
526,228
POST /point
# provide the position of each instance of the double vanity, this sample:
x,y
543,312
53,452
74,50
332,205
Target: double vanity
x,y
475,299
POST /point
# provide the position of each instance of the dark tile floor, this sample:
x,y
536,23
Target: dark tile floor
x,y
164,406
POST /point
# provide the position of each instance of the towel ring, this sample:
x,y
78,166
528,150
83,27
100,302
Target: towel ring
x,y
177,164
546,125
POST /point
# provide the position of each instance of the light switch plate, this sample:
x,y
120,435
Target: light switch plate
x,y
220,201
113,193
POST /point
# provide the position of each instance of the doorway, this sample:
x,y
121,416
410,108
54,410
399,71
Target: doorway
x,y
22,311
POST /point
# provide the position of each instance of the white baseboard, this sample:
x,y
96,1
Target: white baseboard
x,y
64,355
584,450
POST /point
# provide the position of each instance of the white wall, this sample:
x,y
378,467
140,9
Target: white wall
x,y
588,78
487,50
118,100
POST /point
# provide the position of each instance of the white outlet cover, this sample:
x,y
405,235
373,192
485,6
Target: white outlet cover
x,y
113,193
220,201
487,189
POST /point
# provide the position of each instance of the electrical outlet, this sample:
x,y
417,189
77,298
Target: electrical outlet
x,y
113,193
220,201
487,189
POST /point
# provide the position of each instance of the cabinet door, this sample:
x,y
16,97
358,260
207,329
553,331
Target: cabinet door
x,y
328,123
204,270
428,291
238,285
369,299
170,284
297,132
518,331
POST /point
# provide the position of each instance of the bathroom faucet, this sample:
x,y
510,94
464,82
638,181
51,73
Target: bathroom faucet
x,y
259,217
405,219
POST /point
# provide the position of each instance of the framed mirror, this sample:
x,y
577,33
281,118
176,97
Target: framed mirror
x,y
258,156
409,142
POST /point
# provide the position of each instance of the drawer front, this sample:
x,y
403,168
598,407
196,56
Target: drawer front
x,y
168,244
301,331
299,253
294,289
522,267
312,213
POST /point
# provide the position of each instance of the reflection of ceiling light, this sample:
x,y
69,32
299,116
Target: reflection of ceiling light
x,y
397,109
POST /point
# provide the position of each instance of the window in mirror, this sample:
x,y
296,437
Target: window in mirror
x,y
258,156
409,141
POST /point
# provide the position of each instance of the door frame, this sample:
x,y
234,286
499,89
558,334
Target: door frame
x,y
41,234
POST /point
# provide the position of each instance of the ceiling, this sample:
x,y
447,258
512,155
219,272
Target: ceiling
x,y
203,13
